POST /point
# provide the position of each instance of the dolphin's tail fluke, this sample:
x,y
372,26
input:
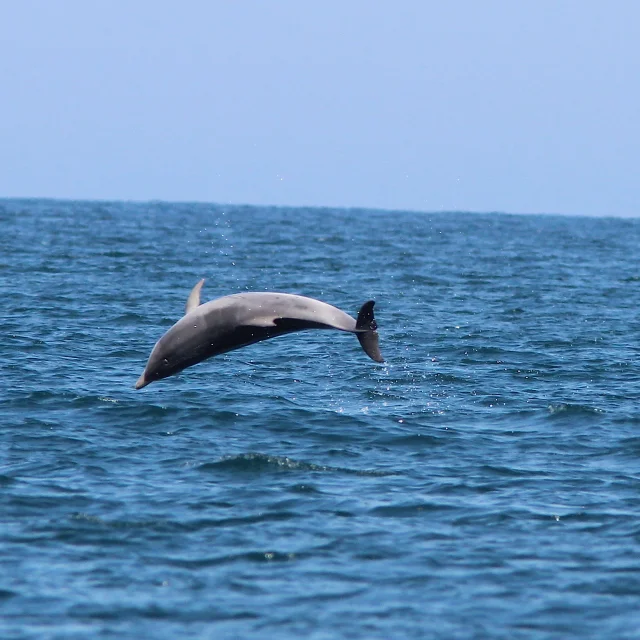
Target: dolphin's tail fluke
x,y
366,326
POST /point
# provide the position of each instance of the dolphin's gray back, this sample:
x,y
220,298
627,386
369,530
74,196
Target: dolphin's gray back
x,y
265,309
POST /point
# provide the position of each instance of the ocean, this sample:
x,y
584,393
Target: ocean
x,y
484,482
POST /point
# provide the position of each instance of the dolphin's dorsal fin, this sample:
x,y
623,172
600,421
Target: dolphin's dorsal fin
x,y
193,300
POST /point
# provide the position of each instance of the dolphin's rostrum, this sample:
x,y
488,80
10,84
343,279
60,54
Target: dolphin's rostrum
x,y
241,319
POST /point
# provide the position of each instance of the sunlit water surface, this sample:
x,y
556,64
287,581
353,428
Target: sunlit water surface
x,y
483,483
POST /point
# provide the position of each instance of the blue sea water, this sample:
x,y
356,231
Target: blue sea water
x,y
483,483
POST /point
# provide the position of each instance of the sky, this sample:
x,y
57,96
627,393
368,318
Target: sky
x,y
515,106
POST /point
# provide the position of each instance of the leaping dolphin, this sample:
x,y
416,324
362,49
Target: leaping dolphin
x,y
241,319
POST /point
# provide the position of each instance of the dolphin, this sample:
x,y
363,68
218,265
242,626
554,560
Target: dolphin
x,y
241,319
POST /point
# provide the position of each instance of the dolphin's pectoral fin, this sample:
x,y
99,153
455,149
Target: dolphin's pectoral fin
x,y
366,326
193,300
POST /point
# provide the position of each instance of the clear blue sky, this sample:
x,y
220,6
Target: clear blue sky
x,y
519,106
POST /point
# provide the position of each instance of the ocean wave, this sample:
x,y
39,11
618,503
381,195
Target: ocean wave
x,y
264,463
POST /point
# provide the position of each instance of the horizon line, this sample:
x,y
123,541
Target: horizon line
x,y
320,207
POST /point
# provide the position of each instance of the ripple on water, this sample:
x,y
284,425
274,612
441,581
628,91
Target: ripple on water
x,y
264,463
